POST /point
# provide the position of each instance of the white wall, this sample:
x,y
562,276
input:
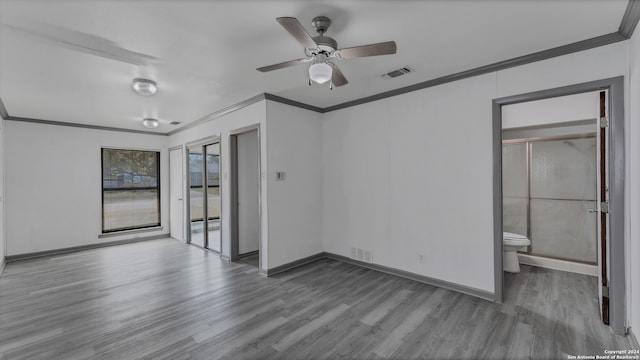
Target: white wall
x,y
254,114
633,161
248,152
295,204
53,184
411,174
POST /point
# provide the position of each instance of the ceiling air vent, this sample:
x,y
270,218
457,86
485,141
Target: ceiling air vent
x,y
397,72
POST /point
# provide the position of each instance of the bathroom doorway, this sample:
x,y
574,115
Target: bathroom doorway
x,y
246,245
204,205
562,154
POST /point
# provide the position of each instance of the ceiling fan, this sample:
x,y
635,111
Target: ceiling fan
x,y
321,50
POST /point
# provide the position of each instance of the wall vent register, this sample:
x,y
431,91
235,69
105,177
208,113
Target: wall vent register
x,y
362,254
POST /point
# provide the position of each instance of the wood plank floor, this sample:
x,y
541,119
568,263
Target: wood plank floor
x,y
166,300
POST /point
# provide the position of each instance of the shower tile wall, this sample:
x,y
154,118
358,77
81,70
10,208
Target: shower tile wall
x,y
563,189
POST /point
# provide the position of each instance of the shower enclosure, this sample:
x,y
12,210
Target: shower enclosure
x,y
550,195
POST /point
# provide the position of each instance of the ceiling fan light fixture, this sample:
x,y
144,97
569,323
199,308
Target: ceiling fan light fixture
x,y
144,87
320,72
150,123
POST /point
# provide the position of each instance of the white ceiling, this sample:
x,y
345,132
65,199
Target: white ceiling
x,y
207,51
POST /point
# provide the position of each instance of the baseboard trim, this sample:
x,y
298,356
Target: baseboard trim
x,y
633,339
250,253
72,249
482,294
295,264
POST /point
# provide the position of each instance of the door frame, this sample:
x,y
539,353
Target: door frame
x,y
233,192
203,143
616,158
182,234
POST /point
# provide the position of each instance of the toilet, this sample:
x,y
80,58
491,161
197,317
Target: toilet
x,y
511,243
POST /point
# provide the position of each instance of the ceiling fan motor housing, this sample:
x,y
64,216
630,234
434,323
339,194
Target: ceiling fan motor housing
x,y
325,43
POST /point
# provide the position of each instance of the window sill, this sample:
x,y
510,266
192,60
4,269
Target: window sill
x,y
129,232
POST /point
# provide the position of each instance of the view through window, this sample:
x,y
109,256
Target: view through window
x,y
130,189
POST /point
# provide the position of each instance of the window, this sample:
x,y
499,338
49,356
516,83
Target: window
x,y
130,189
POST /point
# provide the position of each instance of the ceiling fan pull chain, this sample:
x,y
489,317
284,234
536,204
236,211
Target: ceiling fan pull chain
x,y
309,81
330,85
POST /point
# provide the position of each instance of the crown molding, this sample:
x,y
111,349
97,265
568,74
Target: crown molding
x,y
286,101
3,110
214,115
76,125
501,65
630,19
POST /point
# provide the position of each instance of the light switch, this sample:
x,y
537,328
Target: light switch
x,y
280,175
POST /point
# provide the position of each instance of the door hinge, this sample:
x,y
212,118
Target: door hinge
x,y
604,207
605,291
604,122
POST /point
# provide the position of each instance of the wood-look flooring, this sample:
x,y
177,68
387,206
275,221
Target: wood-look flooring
x,y
166,300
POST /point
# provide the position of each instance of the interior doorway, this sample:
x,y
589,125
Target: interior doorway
x,y
245,196
609,204
204,202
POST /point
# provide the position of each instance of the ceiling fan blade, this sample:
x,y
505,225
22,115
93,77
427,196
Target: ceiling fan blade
x,y
382,48
283,65
337,77
293,26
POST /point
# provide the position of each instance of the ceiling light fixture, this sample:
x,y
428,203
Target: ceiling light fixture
x,y
320,72
150,123
144,86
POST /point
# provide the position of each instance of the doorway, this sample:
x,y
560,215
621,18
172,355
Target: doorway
x,y
204,209
613,276
245,196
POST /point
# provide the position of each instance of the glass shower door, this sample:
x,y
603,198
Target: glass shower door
x,y
563,189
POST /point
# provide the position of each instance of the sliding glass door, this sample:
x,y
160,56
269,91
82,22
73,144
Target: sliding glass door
x,y
212,191
204,195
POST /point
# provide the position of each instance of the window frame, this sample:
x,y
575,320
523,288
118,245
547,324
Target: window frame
x,y
103,190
